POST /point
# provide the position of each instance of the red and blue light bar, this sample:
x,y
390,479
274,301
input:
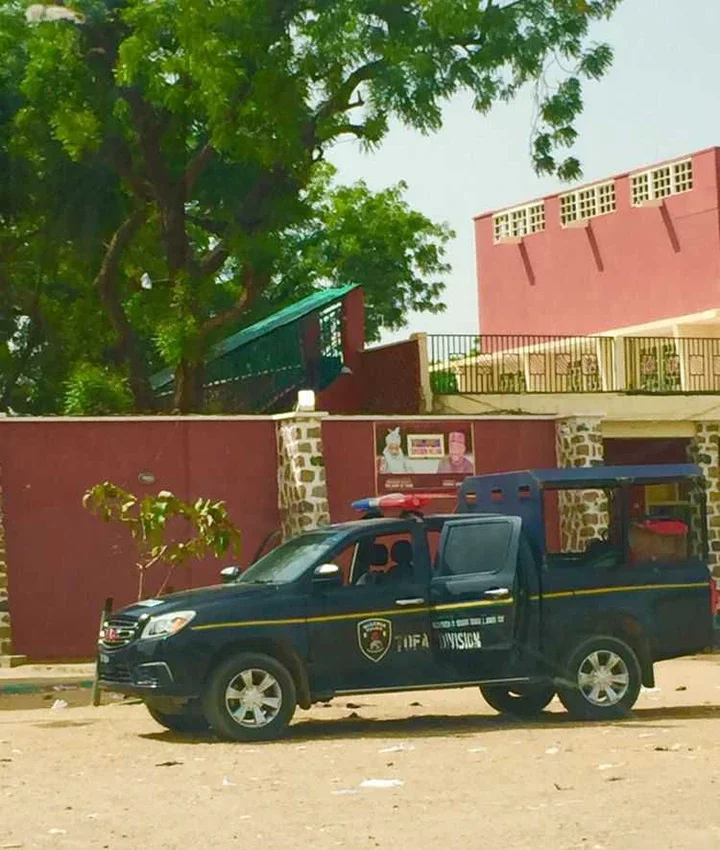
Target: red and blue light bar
x,y
401,501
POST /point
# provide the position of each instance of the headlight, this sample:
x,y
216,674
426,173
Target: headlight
x,y
166,624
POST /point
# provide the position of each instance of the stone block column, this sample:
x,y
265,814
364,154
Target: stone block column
x,y
5,642
583,513
302,485
704,450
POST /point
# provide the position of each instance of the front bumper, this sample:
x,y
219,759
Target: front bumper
x,y
146,667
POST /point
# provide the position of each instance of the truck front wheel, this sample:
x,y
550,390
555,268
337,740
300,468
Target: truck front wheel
x,y
188,720
250,697
603,679
518,700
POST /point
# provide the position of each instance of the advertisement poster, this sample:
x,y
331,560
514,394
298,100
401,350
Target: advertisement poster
x,y
431,457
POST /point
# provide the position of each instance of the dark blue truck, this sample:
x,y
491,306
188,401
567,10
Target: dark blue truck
x,y
493,595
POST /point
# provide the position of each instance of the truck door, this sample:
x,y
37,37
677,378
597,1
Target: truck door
x,y
473,598
373,635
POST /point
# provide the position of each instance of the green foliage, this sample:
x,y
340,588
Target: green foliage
x,y
152,522
96,391
374,239
185,140
443,381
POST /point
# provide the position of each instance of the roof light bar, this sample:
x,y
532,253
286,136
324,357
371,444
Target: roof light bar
x,y
403,501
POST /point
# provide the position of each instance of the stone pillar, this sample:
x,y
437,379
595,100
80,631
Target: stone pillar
x,y
583,513
5,644
302,486
7,659
704,450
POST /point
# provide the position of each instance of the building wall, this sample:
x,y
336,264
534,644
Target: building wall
x,y
386,379
654,450
671,414
62,562
632,266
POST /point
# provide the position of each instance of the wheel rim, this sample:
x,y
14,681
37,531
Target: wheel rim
x,y
253,698
603,678
518,693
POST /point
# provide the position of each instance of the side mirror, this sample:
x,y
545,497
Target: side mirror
x,y
327,574
229,574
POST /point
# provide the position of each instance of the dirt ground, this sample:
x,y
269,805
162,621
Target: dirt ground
x,y
109,777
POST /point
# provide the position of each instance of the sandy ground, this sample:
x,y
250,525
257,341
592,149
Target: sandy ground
x,y
107,778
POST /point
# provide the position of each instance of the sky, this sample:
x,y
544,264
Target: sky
x,y
658,101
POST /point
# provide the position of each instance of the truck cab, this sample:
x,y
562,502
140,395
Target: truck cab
x,y
541,583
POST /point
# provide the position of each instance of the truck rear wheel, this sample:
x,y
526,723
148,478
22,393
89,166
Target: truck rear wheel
x,y
250,697
603,679
518,700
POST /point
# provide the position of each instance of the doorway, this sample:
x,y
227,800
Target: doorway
x,y
655,500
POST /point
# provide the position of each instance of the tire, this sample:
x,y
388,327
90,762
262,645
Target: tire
x,y
603,679
518,700
250,697
187,722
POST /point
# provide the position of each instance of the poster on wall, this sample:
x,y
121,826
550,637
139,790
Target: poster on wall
x,y
428,457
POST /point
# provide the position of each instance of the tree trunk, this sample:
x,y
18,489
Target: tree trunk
x,y
145,401
189,379
106,284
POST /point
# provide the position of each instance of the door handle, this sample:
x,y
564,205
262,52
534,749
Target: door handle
x,y
415,601
497,592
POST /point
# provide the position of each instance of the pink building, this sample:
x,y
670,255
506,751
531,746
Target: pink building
x,y
638,253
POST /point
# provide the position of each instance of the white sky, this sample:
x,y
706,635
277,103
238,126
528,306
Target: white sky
x,y
659,100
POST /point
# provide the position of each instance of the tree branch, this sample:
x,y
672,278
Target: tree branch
x,y
250,214
211,225
119,242
213,261
121,159
340,101
106,284
357,130
196,166
150,130
254,284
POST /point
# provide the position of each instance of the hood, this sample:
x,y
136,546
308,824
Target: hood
x,y
196,599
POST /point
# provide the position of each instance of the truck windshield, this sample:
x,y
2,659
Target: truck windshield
x,y
290,560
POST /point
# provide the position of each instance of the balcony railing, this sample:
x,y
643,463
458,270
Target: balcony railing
x,y
670,365
579,364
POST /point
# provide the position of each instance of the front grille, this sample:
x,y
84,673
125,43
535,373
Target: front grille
x,y
116,673
118,632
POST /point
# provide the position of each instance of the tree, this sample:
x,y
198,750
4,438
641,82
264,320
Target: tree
x,y
206,126
374,239
152,522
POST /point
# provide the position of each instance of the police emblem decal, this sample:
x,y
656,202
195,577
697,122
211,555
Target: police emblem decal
x,y
374,637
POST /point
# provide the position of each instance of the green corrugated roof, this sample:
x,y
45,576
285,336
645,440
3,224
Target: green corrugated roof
x,y
311,304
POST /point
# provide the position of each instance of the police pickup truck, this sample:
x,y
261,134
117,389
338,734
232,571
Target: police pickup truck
x,y
511,593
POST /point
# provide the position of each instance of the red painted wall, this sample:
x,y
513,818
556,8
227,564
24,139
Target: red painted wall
x,y
632,270
391,377
505,445
63,562
654,450
384,380
349,464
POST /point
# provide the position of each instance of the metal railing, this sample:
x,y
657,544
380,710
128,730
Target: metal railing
x,y
521,364
495,364
672,365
